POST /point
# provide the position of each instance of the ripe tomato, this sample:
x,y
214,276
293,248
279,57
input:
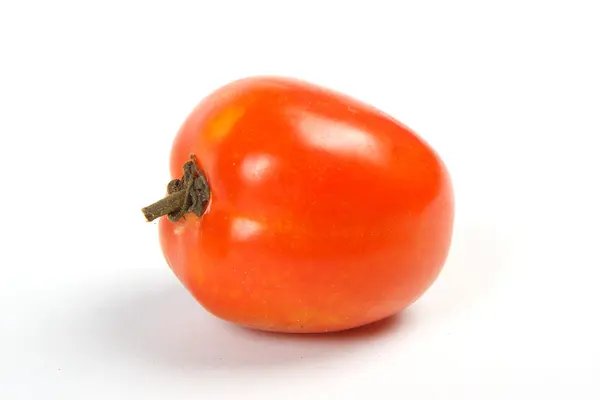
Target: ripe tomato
x,y
323,213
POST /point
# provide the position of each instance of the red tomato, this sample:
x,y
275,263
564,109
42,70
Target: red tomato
x,y
324,213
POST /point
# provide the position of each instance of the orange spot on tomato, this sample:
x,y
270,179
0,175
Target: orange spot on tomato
x,y
223,122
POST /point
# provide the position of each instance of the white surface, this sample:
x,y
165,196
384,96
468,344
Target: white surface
x,y
508,93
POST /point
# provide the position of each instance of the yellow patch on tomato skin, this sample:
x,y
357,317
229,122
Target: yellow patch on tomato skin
x,y
221,124
305,317
179,229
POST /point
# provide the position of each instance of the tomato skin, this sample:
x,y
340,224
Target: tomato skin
x,y
325,213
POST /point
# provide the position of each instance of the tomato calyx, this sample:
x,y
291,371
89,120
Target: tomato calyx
x,y
188,194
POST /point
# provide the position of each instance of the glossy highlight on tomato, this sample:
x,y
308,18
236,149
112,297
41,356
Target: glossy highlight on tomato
x,y
324,213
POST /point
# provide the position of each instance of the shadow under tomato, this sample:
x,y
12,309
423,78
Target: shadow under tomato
x,y
168,326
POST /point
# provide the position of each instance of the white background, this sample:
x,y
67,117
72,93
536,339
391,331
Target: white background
x,y
92,93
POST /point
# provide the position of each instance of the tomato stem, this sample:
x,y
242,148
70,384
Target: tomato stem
x,y
188,194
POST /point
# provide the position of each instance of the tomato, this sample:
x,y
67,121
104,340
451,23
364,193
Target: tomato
x,y
321,213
